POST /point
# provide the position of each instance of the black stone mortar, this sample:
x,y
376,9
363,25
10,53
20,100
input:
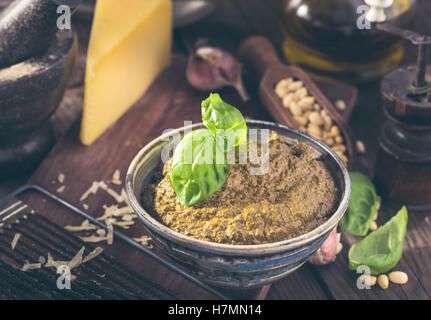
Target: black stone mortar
x,y
30,92
28,27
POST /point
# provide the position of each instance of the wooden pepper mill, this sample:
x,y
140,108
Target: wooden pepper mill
x,y
403,167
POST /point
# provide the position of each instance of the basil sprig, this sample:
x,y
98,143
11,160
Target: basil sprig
x,y
199,165
381,249
362,207
223,119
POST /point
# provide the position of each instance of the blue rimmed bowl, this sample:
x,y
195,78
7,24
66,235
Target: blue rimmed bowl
x,y
236,266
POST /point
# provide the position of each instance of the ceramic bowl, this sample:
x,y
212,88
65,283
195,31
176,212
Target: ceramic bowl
x,y
236,266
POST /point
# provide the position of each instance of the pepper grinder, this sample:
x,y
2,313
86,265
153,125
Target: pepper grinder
x,y
403,165
36,60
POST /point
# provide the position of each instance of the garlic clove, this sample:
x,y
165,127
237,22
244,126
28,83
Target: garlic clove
x,y
328,251
201,75
212,68
222,60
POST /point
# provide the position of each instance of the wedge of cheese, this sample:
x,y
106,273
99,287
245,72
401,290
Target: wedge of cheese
x,y
130,45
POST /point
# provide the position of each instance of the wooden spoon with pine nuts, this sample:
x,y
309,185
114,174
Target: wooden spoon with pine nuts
x,y
294,99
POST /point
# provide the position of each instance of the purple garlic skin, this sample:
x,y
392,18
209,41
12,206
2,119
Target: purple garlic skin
x,y
211,68
329,249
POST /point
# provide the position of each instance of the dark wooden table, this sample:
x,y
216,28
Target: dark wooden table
x,y
231,22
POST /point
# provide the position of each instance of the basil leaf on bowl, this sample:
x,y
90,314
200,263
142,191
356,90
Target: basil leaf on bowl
x,y
362,207
382,249
222,118
199,167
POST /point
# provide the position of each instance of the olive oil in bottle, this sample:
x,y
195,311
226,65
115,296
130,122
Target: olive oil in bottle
x,y
323,37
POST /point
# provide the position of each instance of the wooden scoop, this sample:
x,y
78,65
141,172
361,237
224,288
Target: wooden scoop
x,y
260,56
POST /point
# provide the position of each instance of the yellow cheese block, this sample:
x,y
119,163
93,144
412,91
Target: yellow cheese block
x,y
130,45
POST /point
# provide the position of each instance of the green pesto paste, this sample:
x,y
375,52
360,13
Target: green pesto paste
x,y
296,195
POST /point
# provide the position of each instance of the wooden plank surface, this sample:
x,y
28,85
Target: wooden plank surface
x,y
231,22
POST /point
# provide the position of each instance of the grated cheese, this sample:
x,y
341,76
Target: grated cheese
x,y
31,266
93,254
144,240
116,177
93,239
101,232
61,177
110,236
52,263
77,259
85,226
115,195
15,240
93,189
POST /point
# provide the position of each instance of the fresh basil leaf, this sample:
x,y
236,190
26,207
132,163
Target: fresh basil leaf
x,y
222,118
199,167
362,207
382,249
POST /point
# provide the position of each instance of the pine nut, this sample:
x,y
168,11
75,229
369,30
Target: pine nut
x,y
282,88
368,279
340,105
314,130
340,154
301,93
316,118
398,277
288,100
383,281
335,131
307,114
373,226
361,147
301,121
329,141
306,103
339,147
295,109
317,107
328,122
339,139
285,82
294,86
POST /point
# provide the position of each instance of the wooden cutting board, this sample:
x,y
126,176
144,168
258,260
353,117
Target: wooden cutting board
x,y
166,104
